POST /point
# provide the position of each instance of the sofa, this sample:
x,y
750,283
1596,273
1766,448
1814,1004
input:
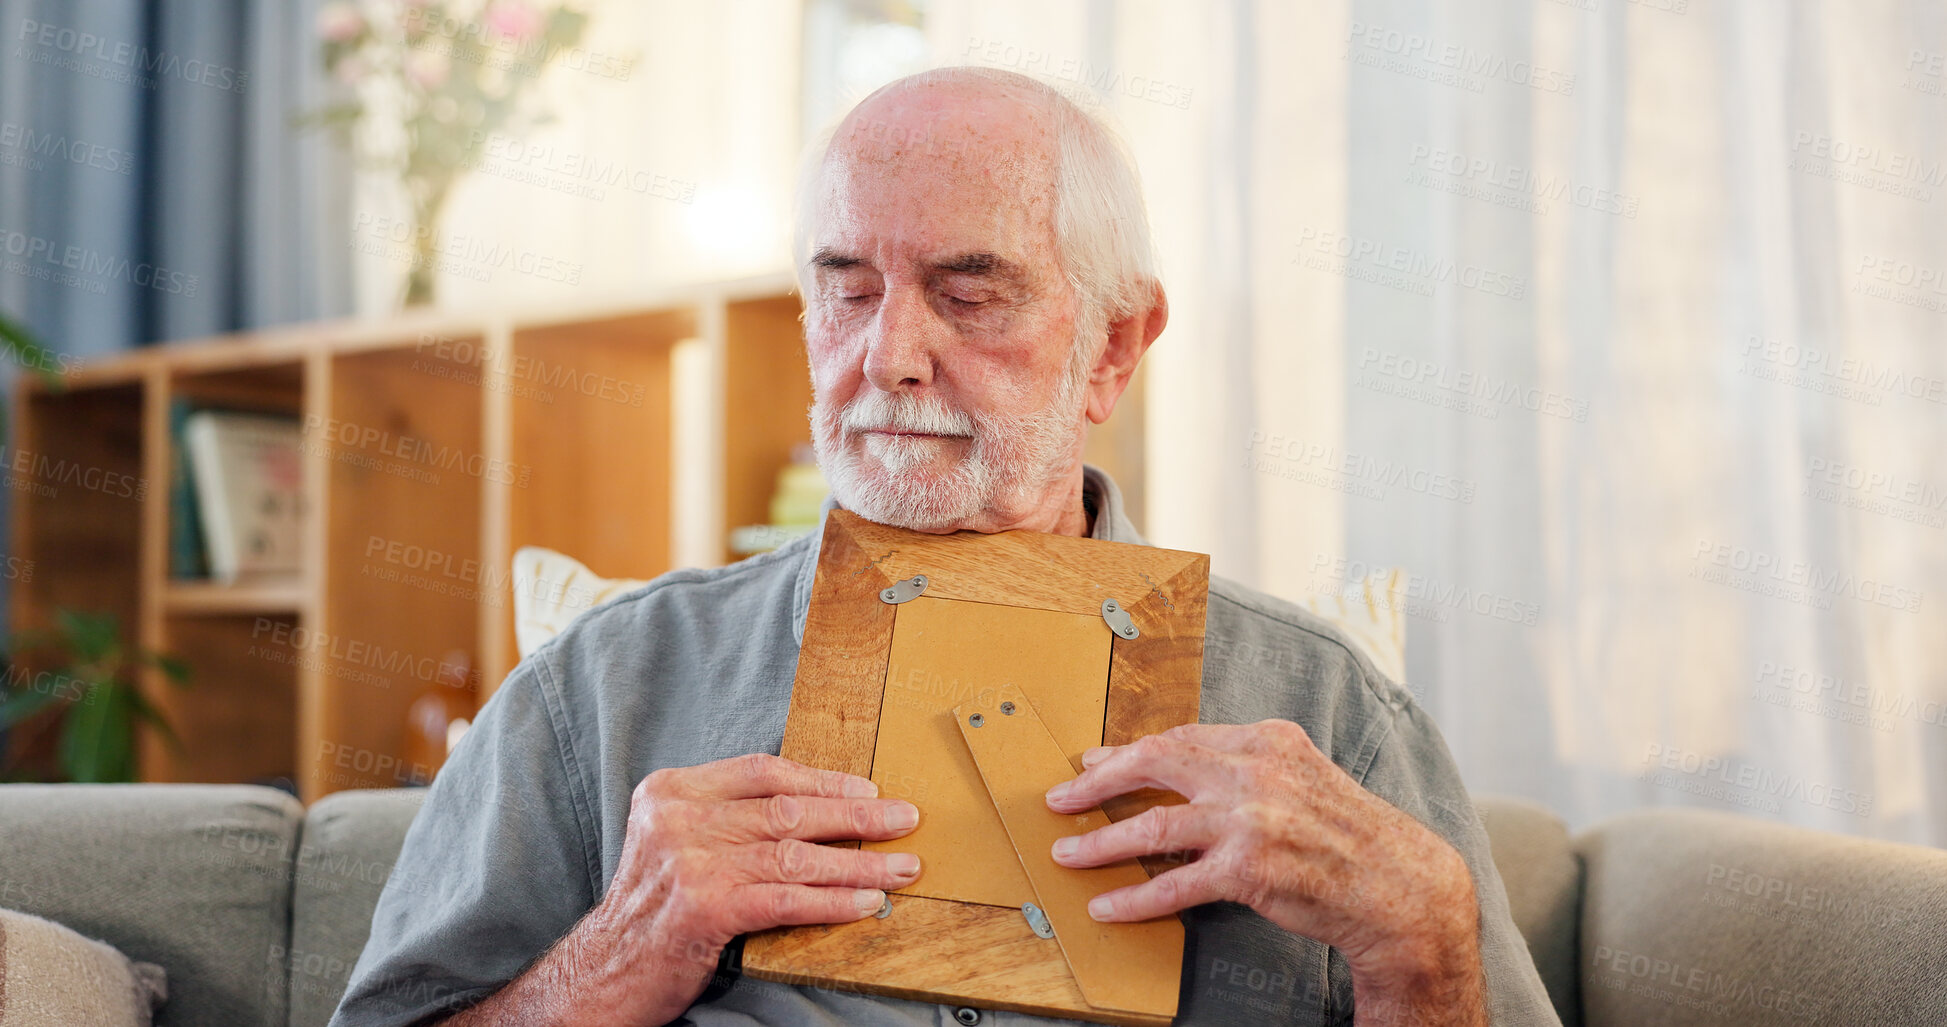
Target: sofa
x,y
257,907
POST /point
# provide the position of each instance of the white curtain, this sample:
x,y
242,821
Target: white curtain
x,y
1616,323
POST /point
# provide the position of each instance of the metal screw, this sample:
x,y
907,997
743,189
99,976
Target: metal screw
x,y
1007,708
976,720
919,579
888,595
885,909
1109,606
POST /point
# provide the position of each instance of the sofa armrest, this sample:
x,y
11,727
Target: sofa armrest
x,y
1695,917
193,878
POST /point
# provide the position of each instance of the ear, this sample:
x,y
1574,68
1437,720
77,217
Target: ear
x,y
1129,339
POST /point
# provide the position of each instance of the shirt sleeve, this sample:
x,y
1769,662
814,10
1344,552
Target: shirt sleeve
x,y
1412,769
495,868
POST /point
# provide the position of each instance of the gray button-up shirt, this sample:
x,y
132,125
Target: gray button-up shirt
x,y
522,831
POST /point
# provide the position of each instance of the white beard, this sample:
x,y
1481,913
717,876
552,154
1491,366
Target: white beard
x,y
888,479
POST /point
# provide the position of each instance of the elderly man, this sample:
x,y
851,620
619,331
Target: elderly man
x,y
978,287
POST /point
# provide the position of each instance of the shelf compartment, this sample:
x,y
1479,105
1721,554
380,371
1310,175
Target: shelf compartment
x,y
268,594
590,439
767,396
405,470
272,387
237,717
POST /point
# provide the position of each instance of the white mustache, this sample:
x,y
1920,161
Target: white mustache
x,y
925,415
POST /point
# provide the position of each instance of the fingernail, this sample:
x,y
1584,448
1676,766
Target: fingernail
x,y
1065,847
1099,907
905,864
1060,791
860,788
870,899
902,816
1093,756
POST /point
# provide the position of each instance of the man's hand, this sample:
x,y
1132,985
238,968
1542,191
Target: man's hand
x,y
1278,827
712,852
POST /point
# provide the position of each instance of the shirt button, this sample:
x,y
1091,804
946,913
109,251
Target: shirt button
x,y
967,1015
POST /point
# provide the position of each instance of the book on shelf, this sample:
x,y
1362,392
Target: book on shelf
x,y
187,557
248,473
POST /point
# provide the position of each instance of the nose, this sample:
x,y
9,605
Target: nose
x,y
903,342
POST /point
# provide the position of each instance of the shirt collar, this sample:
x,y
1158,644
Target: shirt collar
x,y
1099,493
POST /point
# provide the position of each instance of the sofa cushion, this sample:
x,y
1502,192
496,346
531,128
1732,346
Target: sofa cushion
x,y
51,975
1543,878
1694,917
350,842
193,878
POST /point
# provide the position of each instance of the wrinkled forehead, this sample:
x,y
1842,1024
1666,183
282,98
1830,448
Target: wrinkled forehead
x,y
942,167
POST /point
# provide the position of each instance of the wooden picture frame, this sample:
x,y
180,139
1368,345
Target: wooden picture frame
x,y
964,952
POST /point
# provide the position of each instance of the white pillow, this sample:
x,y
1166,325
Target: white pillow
x,y
1373,612
551,589
51,975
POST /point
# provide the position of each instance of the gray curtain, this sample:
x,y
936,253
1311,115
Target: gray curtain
x,y
194,207
148,149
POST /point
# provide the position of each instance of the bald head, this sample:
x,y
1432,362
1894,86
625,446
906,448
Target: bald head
x,y
1020,142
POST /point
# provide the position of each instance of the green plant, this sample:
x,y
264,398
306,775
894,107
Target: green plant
x,y
85,667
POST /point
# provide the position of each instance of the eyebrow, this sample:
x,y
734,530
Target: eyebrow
x,y
830,258
986,265
980,264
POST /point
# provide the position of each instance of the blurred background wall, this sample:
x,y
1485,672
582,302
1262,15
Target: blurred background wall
x,y
1615,324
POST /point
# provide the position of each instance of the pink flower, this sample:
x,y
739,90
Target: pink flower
x,y
515,20
340,22
350,70
428,70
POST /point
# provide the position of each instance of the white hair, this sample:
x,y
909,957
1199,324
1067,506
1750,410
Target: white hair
x,y
1101,227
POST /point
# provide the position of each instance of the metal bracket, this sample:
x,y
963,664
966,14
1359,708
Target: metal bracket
x,y
904,590
1037,920
1118,619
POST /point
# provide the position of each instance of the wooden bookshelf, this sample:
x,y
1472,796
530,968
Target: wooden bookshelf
x,y
632,435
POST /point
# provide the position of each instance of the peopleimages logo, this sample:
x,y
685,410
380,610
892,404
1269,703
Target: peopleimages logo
x,y
1890,163
34,252
1030,61
1871,704
1499,391
1418,270
63,150
1437,595
59,45
1353,473
1694,986
1422,57
1738,774
352,436
1528,182
1823,369
1795,576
